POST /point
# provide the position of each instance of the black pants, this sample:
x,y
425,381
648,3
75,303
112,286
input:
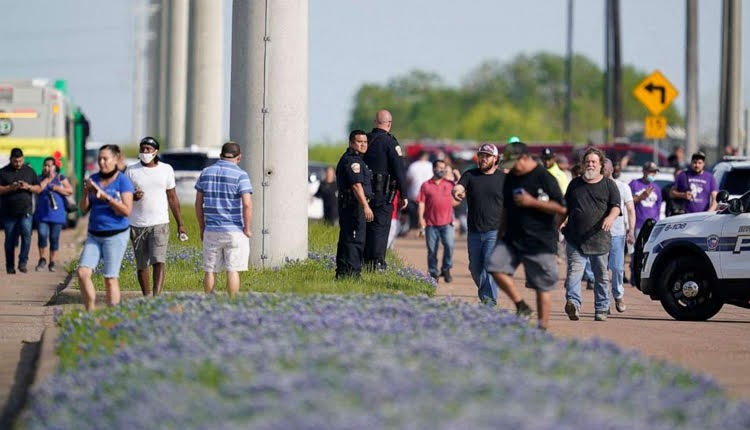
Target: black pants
x,y
351,243
377,236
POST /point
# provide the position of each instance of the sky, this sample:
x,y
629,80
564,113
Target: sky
x,y
91,44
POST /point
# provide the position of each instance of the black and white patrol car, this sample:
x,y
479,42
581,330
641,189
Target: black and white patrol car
x,y
695,263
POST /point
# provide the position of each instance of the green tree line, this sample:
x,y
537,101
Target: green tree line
x,y
525,97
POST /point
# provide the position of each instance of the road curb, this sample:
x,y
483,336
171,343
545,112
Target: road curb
x,y
47,361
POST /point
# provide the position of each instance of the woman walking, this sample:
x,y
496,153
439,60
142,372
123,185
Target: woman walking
x,y
50,214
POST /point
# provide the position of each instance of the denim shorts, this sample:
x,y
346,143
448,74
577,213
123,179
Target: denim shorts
x,y
109,249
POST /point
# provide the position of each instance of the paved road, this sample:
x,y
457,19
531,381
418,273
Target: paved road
x,y
23,316
719,347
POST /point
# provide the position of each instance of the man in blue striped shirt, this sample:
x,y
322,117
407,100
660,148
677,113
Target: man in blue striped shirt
x,y
224,211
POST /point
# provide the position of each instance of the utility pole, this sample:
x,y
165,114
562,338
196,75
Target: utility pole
x,y
619,126
568,116
176,85
607,70
143,12
153,64
691,75
729,106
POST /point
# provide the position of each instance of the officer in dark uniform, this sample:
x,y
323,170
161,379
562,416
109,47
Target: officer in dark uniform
x,y
384,159
353,179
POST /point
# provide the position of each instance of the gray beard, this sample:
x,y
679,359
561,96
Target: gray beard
x,y
590,175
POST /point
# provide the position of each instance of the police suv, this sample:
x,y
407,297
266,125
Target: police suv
x,y
695,263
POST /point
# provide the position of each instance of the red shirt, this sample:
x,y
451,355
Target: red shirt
x,y
438,202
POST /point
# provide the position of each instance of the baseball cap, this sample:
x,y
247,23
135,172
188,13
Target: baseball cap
x,y
512,152
699,155
650,166
16,153
150,141
513,139
547,153
488,149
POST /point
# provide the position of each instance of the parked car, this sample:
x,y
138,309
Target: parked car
x,y
316,171
187,165
733,174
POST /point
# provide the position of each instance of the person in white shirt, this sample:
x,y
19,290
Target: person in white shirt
x,y
155,194
419,171
622,231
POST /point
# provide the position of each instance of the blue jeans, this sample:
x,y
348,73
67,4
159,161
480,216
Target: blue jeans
x,y
445,234
617,265
48,232
588,274
15,226
576,264
480,246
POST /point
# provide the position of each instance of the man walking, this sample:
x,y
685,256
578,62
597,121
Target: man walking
x,y
155,193
622,233
436,220
482,188
533,205
18,182
593,203
224,210
696,187
353,179
383,157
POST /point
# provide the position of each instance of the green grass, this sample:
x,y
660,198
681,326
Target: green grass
x,y
329,154
310,276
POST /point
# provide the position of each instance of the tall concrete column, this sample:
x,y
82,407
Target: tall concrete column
x,y
205,80
162,83
269,119
691,74
731,59
176,84
153,67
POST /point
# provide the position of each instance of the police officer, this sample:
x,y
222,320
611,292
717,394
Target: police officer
x,y
384,158
353,179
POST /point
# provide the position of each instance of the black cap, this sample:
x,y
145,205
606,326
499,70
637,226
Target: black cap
x,y
650,166
16,153
699,156
148,140
512,152
547,153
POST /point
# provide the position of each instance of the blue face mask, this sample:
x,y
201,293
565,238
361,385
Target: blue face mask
x,y
651,178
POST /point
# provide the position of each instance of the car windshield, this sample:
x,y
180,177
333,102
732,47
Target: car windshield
x,y
736,181
187,161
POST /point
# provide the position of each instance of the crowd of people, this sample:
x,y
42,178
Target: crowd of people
x,y
128,204
519,209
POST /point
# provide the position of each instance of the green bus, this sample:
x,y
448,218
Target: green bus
x,y
40,118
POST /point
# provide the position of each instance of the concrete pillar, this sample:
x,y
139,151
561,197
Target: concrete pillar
x,y
176,86
268,117
153,67
691,75
205,80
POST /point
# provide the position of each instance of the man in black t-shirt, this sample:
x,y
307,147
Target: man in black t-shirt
x,y
482,188
528,229
18,182
593,203
328,192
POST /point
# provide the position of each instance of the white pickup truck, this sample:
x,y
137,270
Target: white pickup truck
x,y
696,263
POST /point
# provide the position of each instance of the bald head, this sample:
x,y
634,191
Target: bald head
x,y
383,120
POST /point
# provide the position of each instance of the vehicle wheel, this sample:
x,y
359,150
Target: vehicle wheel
x,y
687,290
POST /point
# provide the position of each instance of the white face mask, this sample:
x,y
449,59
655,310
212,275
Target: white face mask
x,y
146,157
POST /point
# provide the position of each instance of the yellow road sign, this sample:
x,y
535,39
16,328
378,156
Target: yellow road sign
x,y
655,127
655,92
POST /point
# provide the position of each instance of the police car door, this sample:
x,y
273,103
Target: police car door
x,y
734,261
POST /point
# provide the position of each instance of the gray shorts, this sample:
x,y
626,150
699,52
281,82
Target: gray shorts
x,y
541,269
150,244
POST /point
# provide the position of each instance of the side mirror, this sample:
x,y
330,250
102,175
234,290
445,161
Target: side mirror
x,y
735,207
722,196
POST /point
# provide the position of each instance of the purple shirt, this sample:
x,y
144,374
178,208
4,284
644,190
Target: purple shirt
x,y
701,185
650,207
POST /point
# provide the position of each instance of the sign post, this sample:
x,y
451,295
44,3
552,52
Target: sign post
x,y
655,93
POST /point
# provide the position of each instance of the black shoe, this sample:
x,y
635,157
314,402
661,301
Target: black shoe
x,y
22,268
41,265
446,274
10,270
52,267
